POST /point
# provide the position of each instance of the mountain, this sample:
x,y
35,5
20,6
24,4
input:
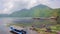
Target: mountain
x,y
37,11
21,13
41,11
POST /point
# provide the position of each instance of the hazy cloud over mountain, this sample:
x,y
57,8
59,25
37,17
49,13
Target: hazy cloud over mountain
x,y
9,6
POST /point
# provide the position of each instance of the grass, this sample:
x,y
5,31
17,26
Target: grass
x,y
54,29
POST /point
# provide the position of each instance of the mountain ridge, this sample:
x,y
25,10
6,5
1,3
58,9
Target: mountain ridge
x,y
37,11
33,12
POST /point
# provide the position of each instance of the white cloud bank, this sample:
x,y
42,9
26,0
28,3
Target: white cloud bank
x,y
8,6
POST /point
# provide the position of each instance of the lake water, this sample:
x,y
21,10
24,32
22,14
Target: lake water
x,y
25,21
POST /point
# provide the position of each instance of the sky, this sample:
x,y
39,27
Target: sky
x,y
9,6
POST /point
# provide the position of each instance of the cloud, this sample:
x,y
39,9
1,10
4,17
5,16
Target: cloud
x,y
51,3
6,7
9,6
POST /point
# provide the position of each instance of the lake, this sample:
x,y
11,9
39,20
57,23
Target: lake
x,y
25,21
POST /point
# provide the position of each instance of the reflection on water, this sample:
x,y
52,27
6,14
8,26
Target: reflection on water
x,y
25,21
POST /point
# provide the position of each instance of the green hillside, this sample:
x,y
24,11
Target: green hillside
x,y
37,11
41,11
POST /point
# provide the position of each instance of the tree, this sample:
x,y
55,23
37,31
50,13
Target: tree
x,y
58,16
